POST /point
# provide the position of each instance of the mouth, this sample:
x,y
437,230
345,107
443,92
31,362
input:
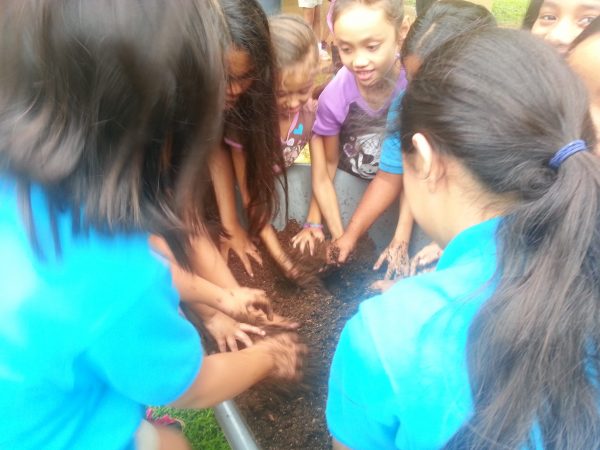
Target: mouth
x,y
364,75
292,110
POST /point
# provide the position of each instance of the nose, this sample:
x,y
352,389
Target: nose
x,y
235,88
562,34
361,60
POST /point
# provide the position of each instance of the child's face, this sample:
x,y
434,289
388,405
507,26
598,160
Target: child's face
x,y
585,60
368,43
239,79
561,21
295,86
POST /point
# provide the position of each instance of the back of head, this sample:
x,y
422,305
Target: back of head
x,y
533,346
110,105
441,22
394,9
293,40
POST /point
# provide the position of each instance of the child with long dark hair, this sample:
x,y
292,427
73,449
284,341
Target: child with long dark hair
x,y
108,114
251,148
498,348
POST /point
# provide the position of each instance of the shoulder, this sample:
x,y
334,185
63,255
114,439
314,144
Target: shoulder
x,y
341,87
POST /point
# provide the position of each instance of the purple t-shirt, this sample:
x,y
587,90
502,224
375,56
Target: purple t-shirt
x,y
343,111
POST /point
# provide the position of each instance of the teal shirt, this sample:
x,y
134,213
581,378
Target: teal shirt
x,y
87,338
399,376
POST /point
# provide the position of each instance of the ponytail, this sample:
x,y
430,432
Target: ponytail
x,y
533,347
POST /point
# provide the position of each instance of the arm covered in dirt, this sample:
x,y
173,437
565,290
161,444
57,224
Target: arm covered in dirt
x,y
225,375
380,193
324,157
223,179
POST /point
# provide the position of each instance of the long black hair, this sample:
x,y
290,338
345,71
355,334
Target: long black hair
x,y
502,103
532,14
111,106
592,29
254,119
442,21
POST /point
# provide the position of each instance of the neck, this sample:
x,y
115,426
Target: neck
x,y
379,93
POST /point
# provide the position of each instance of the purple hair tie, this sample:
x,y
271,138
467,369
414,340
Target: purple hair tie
x,y
568,150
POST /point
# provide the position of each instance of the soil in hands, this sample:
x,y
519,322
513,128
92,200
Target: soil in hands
x,y
282,416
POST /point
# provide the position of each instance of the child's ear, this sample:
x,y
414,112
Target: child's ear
x,y
429,163
406,23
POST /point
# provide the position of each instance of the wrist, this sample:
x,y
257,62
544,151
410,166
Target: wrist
x,y
312,225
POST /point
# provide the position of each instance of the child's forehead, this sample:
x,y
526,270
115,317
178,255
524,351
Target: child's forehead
x,y
362,19
297,75
579,4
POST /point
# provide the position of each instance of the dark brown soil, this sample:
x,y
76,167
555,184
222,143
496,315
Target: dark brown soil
x,y
284,417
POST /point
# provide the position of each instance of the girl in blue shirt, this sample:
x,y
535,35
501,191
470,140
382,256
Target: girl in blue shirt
x,y
107,111
498,347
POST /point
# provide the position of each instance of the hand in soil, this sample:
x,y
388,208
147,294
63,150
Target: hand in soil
x,y
288,355
396,257
426,259
346,246
308,237
242,246
245,304
227,332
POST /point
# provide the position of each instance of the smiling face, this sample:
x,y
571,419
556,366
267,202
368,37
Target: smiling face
x,y
239,75
585,60
368,43
560,21
295,86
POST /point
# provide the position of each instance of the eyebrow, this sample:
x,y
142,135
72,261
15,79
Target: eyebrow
x,y
592,5
366,40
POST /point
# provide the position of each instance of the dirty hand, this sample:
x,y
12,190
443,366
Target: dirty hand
x,y
242,246
244,303
382,285
287,353
426,257
307,237
227,331
346,246
396,256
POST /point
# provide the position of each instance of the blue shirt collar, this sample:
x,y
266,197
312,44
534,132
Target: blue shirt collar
x,y
480,238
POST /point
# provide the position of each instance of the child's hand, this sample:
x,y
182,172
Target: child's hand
x,y
427,257
240,243
227,332
346,245
287,353
396,256
246,304
307,238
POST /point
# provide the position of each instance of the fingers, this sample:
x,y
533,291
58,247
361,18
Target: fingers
x,y
255,254
381,285
311,247
246,263
221,344
243,338
232,343
247,328
380,260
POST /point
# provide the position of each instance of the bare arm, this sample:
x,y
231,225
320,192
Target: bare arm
x,y
381,192
225,375
324,156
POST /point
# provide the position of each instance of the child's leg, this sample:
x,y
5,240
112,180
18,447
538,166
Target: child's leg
x,y
150,437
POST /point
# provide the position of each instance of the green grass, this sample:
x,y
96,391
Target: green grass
x,y
201,428
508,13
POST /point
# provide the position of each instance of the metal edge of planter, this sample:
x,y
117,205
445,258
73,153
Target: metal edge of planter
x,y
234,426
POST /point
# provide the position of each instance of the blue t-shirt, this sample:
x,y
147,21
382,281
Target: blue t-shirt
x,y
391,149
87,338
399,376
